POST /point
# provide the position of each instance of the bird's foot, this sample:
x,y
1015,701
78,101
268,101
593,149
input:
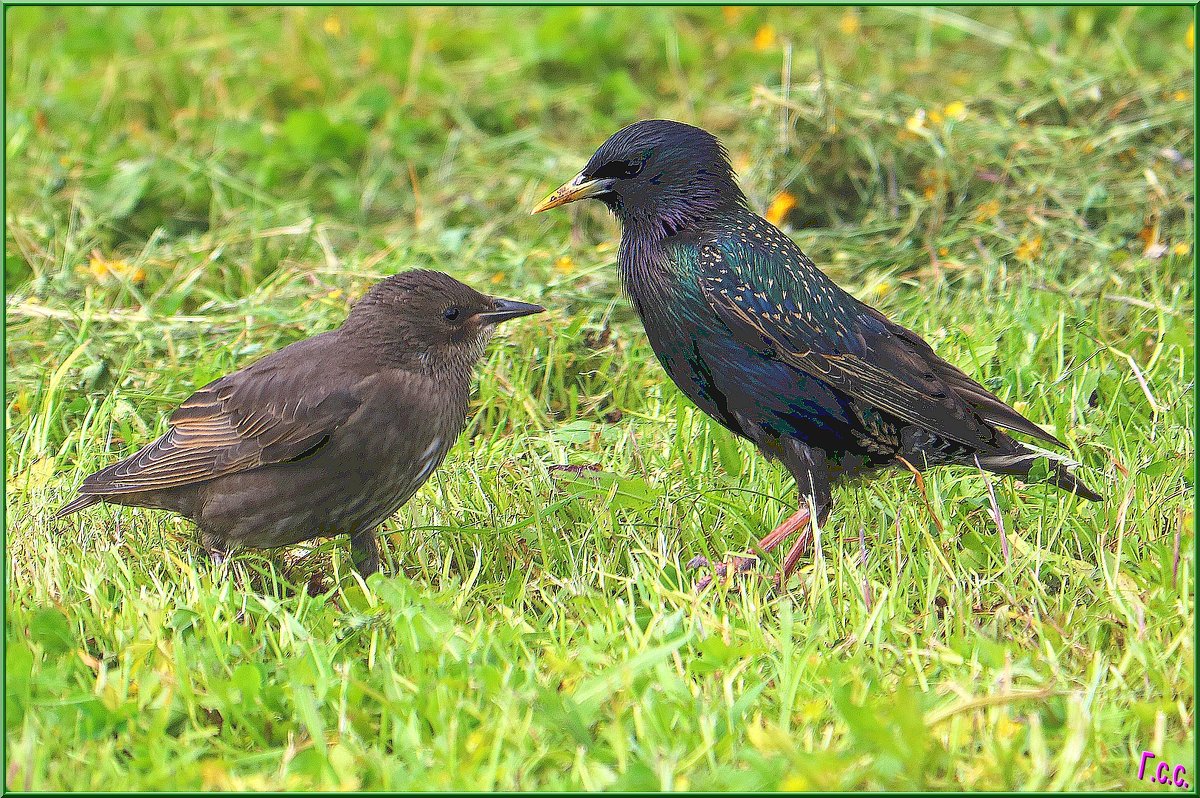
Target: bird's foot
x,y
737,565
734,564
364,551
219,558
318,583
216,548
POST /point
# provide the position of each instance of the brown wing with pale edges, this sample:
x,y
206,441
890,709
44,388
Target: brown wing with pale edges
x,y
274,411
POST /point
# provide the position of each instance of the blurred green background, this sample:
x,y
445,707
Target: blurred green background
x,y
189,188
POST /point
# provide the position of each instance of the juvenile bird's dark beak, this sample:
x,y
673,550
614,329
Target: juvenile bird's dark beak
x,y
505,309
577,188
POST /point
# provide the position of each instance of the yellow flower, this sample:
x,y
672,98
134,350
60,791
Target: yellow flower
x,y
883,287
732,14
1149,235
335,294
21,403
213,774
497,278
1190,38
564,265
955,110
102,269
765,38
796,782
932,182
767,737
849,24
1006,729
943,251
780,206
987,210
332,25
811,711
1181,249
1029,248
1181,96
916,123
98,268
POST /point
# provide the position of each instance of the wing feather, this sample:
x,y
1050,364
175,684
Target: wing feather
x,y
802,318
270,412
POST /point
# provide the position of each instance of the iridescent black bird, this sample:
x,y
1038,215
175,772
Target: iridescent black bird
x,y
765,343
328,436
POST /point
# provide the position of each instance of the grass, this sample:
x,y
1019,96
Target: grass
x,y
191,188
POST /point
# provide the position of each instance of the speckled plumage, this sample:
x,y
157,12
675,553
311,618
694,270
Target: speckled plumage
x,y
764,342
327,436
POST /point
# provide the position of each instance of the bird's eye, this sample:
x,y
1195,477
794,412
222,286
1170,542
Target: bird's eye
x,y
450,314
617,169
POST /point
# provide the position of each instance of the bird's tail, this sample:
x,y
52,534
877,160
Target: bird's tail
x,y
78,503
1018,464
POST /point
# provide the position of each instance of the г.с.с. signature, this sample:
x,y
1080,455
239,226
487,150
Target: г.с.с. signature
x,y
1164,773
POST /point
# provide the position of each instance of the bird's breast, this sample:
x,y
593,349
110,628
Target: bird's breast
x,y
722,375
363,475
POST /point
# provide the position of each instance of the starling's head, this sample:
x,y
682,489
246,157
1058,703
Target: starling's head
x,y
656,173
430,318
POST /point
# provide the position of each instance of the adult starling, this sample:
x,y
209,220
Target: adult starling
x,y
328,436
769,346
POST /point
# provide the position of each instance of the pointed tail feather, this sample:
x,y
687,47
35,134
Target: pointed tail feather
x,y
1064,479
1019,463
75,505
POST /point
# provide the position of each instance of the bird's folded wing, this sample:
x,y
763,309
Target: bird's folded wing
x,y
779,303
261,415
989,406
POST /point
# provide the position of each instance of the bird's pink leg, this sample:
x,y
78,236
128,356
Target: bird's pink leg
x,y
793,556
790,525
796,522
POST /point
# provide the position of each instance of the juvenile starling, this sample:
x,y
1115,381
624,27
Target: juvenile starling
x,y
770,347
328,436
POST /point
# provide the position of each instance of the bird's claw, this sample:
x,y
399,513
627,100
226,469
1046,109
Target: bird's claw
x,y
317,584
219,559
734,565
797,522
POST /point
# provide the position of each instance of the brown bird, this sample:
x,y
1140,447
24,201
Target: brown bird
x,y
328,436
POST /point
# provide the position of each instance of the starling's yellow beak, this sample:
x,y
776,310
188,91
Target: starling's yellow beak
x,y
577,188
